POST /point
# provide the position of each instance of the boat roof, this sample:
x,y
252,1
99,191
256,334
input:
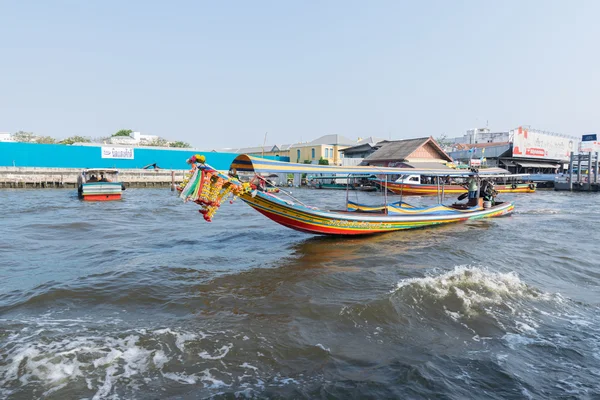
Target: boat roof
x,y
339,176
247,163
100,170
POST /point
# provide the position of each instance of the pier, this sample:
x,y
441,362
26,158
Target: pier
x,y
582,179
26,177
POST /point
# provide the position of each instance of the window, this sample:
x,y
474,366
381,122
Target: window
x,y
313,153
326,153
298,155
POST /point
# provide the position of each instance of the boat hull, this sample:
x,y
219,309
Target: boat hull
x,y
310,220
408,189
100,191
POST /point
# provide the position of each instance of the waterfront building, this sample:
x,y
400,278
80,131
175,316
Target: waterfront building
x,y
409,153
519,150
5,137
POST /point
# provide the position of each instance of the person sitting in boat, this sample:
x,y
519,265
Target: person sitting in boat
x,y
93,179
472,182
103,178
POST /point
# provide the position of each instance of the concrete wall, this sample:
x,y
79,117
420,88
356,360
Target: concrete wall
x,y
26,177
14,154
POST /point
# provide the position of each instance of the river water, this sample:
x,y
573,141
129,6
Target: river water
x,y
142,299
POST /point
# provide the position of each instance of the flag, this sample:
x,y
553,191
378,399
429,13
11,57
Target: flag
x,y
483,150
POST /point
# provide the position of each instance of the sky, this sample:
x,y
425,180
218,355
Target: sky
x,y
222,74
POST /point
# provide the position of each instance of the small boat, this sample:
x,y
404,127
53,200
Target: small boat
x,y
419,185
99,184
209,188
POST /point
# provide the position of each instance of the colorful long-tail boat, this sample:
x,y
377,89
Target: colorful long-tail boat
x,y
417,188
209,188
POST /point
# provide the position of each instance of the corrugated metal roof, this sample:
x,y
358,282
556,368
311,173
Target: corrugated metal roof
x,y
428,165
397,150
401,149
334,139
533,164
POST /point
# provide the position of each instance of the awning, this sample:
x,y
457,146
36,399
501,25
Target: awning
x,y
246,163
508,163
533,164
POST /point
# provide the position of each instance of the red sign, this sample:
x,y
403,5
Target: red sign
x,y
537,152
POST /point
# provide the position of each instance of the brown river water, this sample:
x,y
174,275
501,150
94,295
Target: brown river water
x,y
142,299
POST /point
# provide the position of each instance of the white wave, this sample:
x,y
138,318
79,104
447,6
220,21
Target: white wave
x,y
181,378
319,345
222,352
248,366
468,290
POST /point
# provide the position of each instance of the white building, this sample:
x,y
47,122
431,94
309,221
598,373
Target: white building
x,y
5,137
482,135
143,139
135,138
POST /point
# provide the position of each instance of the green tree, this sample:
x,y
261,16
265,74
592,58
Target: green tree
x,y
180,144
45,140
323,161
26,137
75,139
124,132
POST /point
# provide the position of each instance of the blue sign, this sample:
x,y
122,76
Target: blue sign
x,y
589,138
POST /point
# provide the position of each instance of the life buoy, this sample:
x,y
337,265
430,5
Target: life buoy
x,y
514,186
532,186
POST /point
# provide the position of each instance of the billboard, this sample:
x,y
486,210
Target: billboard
x,y
529,143
117,152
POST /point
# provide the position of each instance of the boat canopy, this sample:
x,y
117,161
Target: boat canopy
x,y
98,170
246,163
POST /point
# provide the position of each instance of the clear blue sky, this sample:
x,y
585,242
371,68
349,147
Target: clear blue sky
x,y
221,74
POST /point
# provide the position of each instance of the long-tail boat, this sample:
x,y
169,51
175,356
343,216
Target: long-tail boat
x,y
209,188
415,185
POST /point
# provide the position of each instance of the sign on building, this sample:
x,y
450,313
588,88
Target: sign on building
x,y
529,143
589,138
117,152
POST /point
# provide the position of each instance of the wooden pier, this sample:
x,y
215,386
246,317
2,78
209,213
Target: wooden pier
x,y
580,181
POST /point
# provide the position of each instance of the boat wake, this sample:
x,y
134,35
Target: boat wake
x,y
82,357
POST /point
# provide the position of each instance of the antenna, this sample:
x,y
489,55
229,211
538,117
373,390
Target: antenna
x,y
264,144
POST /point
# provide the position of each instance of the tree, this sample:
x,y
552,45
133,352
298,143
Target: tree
x,y
45,140
180,144
323,161
124,132
75,139
443,141
26,137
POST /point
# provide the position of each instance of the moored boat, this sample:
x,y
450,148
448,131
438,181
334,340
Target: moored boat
x,y
417,185
99,184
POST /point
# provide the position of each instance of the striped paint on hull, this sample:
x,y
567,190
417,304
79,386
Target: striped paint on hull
x,y
432,190
100,191
315,221
101,197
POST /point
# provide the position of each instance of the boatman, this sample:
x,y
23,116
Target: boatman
x,y
472,181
